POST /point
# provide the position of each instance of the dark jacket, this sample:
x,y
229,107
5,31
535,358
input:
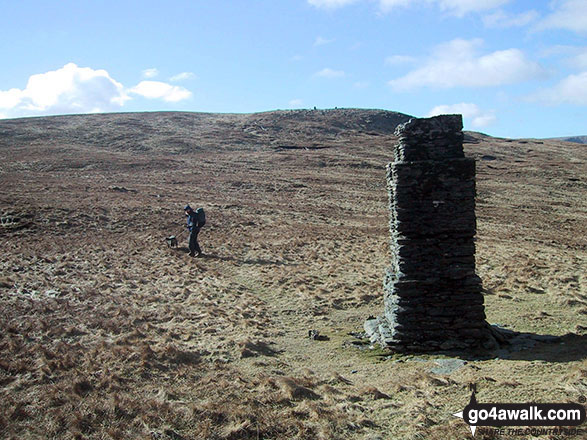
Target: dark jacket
x,y
192,220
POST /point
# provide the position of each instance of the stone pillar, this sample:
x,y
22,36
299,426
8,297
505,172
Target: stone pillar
x,y
432,296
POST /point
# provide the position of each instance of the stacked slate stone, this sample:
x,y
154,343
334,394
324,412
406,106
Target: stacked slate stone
x,y
432,296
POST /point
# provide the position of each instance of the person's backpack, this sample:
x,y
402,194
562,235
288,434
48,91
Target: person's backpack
x,y
201,215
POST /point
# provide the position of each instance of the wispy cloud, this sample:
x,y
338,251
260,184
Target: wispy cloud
x,y
457,64
150,73
570,90
453,7
331,4
396,60
472,112
389,5
463,7
182,76
570,15
574,57
295,103
320,41
330,73
502,19
579,61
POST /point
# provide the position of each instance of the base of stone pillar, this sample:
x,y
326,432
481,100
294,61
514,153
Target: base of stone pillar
x,y
380,333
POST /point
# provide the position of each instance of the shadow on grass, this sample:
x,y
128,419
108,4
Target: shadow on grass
x,y
512,346
259,348
532,347
568,348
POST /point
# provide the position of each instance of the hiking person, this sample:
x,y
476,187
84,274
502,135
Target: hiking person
x,y
195,220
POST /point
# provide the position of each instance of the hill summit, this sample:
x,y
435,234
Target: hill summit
x,y
182,132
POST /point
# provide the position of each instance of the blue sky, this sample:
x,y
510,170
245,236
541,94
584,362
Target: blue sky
x,y
513,68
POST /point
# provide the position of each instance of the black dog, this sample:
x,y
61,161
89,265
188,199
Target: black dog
x,y
171,241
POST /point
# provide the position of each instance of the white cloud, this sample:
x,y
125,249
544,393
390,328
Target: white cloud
x,y
73,89
469,111
182,76
579,61
385,5
296,103
330,4
569,14
455,7
330,73
399,59
501,19
150,73
361,84
160,90
388,5
320,41
557,50
456,64
10,98
462,7
483,120
70,89
570,90
574,56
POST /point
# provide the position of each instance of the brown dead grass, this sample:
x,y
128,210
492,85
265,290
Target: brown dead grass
x,y
107,333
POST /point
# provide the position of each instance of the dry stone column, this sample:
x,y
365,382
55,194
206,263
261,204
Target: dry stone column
x,y
432,296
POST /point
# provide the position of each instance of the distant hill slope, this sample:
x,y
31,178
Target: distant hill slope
x,y
575,139
180,132
99,316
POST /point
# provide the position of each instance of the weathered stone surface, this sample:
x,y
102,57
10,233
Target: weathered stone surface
x,y
432,296
447,366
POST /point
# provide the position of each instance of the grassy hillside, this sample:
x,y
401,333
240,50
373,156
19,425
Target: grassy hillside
x,y
107,333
